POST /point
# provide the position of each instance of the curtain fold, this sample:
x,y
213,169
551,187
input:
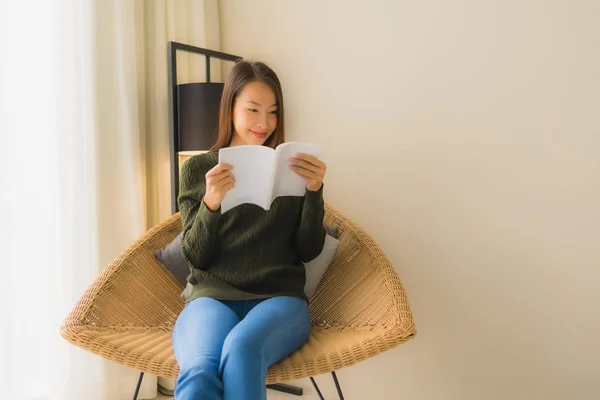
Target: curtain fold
x,y
84,171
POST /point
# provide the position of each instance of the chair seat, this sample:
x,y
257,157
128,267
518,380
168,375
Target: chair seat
x,y
151,350
359,309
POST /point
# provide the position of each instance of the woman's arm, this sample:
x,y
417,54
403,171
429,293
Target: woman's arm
x,y
309,237
200,225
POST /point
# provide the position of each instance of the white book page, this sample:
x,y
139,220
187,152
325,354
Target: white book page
x,y
287,182
253,172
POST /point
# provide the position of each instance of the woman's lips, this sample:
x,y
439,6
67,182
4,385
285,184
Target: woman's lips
x,y
260,135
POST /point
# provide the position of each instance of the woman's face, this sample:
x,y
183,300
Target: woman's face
x,y
254,115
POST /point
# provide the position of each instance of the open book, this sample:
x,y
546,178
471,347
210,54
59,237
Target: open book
x,y
263,174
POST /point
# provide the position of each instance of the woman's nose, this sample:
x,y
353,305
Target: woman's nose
x,y
263,121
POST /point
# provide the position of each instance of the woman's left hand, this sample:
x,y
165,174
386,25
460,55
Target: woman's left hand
x,y
309,168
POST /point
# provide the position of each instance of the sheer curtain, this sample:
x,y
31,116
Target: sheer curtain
x,y
83,171
194,22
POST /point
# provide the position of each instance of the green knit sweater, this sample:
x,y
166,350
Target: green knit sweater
x,y
247,252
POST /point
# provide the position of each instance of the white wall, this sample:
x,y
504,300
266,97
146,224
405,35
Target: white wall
x,y
464,137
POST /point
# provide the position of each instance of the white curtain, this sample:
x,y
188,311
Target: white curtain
x,y
84,171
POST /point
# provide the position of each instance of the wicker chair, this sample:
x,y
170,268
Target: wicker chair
x,y
359,309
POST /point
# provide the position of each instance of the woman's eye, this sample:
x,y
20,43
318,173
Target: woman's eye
x,y
252,110
273,112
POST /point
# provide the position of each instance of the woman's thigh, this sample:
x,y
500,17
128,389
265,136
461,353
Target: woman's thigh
x,y
201,329
277,327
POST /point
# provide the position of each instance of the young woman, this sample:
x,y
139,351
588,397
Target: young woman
x,y
247,309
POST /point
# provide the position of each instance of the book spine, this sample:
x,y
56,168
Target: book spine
x,y
273,178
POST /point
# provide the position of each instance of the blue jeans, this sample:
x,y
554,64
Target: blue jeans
x,y
224,348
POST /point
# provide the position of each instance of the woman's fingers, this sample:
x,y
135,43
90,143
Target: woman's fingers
x,y
314,168
222,176
219,180
218,169
227,185
308,171
304,164
303,172
224,182
308,162
309,159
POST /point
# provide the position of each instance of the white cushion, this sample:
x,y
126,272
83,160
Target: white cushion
x,y
317,267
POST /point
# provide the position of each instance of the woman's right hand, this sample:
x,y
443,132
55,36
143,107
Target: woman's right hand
x,y
219,181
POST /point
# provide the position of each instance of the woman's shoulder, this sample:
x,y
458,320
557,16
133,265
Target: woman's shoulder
x,y
200,163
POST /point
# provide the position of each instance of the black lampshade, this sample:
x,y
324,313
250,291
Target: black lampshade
x,y
198,105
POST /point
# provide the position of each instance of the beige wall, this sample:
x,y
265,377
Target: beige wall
x,y
467,142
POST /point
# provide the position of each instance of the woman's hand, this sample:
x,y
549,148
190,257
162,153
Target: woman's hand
x,y
309,168
219,181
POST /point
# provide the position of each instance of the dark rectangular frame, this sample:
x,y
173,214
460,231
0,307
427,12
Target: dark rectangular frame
x,y
172,48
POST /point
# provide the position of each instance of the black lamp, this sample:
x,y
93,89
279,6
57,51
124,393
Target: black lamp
x,y
198,115
193,112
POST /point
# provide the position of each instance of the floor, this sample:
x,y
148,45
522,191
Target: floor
x,y
271,395
327,388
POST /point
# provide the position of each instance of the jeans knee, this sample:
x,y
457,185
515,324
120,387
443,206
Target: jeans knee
x,y
240,350
200,367
240,345
199,380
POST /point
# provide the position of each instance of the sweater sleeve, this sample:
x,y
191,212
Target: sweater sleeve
x,y
200,225
309,237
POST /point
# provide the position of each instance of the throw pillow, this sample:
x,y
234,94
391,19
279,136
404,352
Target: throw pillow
x,y
171,258
317,267
333,231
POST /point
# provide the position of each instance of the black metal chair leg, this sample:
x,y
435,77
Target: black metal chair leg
x,y
280,387
312,380
139,384
289,389
337,385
